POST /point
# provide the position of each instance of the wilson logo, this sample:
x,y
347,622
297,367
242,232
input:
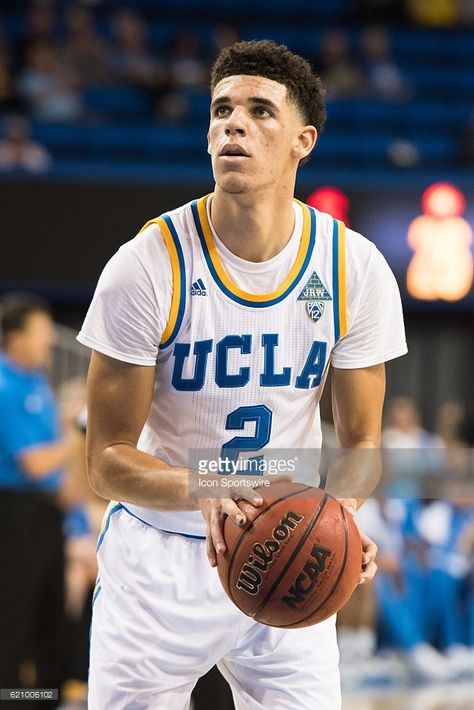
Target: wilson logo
x,y
264,553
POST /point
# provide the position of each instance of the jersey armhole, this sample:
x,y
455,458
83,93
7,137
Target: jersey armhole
x,y
339,279
178,299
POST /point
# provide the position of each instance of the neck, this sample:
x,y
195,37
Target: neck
x,y
253,230
18,359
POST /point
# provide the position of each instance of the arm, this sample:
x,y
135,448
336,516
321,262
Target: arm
x,y
357,399
357,407
118,401
40,461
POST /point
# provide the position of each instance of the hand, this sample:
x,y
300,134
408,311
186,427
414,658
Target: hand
x,y
215,510
369,548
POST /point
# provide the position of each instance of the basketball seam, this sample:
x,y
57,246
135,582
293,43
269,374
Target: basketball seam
x,y
291,558
343,566
242,538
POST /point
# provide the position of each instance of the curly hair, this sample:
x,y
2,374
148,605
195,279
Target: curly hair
x,y
275,61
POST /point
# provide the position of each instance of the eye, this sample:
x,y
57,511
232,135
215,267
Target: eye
x,y
221,111
261,112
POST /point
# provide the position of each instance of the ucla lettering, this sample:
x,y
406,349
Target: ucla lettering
x,y
202,348
314,366
309,377
308,578
269,378
240,342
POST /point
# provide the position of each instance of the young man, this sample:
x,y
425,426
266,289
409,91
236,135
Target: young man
x,y
214,329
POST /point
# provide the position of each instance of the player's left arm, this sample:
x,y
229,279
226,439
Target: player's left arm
x,y
357,400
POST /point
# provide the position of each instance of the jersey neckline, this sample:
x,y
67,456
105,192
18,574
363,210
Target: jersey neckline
x,y
223,280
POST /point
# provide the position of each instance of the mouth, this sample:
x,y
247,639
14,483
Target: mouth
x,y
232,150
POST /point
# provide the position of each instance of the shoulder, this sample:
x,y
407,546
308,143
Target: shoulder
x,y
150,239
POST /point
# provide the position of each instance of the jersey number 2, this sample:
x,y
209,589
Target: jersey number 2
x,y
262,416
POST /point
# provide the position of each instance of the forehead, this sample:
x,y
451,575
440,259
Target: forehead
x,y
243,86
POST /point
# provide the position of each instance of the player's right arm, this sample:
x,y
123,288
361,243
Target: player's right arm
x,y
119,396
118,401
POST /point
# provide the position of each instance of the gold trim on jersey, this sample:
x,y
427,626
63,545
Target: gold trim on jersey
x,y
225,278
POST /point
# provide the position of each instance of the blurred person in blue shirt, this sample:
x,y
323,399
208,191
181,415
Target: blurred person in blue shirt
x,y
32,454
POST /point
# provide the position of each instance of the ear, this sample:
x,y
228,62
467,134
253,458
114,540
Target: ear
x,y
208,143
304,142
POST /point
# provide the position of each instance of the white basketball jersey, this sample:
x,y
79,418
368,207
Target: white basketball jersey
x,y
243,373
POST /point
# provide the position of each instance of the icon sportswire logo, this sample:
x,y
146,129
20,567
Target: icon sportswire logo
x,y
198,288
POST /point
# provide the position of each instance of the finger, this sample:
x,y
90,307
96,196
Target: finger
x,y
368,573
369,552
230,508
211,553
252,496
216,532
350,504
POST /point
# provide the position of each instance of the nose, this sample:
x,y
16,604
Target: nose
x,y
236,122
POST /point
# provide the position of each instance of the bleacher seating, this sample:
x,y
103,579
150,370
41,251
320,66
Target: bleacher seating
x,y
120,123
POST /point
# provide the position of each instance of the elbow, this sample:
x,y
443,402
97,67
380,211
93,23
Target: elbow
x,y
98,476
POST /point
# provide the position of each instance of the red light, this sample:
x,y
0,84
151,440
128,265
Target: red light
x,y
331,200
443,200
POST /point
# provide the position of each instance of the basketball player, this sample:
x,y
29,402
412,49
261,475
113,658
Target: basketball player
x,y
214,329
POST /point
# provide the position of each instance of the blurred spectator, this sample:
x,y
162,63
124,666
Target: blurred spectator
x,y
399,592
223,35
432,13
50,90
40,27
341,75
187,73
32,454
83,51
449,424
403,428
412,452
187,69
133,61
385,79
18,151
443,525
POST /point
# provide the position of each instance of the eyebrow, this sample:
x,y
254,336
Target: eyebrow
x,y
252,99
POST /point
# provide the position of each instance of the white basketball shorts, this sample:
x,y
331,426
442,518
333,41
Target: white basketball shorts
x,y
161,620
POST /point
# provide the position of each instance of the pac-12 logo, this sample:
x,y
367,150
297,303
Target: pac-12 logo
x,y
314,294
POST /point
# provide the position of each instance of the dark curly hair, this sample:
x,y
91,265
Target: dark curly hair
x,y
275,61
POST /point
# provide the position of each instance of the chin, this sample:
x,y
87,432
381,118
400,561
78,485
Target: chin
x,y
233,184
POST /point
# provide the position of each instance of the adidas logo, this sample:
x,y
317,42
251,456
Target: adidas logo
x,y
198,288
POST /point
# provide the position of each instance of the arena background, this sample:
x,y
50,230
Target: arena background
x,y
123,126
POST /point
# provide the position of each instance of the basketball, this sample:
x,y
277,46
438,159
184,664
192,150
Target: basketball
x,y
296,561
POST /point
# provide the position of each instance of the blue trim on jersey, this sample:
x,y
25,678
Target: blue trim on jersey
x,y
335,279
172,532
168,532
233,296
113,510
182,294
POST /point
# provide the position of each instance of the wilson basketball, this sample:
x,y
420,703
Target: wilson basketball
x,y
296,562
